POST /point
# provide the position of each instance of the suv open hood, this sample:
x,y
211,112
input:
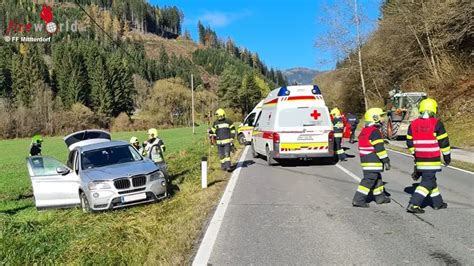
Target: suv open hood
x,y
86,137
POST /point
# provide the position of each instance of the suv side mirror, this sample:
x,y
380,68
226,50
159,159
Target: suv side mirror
x,y
62,170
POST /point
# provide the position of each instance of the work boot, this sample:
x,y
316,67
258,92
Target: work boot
x,y
343,157
442,206
359,204
412,208
383,201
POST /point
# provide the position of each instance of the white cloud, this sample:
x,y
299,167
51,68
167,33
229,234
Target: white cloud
x,y
218,19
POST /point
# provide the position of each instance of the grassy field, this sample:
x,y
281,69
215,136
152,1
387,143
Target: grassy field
x,y
162,233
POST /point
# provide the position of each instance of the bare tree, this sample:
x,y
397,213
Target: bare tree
x,y
344,36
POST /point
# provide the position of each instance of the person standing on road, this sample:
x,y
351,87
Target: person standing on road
x,y
373,158
338,125
223,130
35,147
427,139
353,121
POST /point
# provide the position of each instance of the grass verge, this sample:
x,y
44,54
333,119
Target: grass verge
x,y
161,233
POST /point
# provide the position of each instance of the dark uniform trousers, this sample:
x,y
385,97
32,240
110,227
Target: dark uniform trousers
x,y
427,187
371,183
224,155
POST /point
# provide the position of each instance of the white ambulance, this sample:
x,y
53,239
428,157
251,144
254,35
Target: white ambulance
x,y
244,131
294,123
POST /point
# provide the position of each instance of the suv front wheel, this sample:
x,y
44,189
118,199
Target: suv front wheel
x,y
86,207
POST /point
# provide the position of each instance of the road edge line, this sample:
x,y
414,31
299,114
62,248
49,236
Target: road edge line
x,y
209,239
349,173
449,166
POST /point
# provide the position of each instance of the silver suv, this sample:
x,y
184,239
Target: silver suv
x,y
100,174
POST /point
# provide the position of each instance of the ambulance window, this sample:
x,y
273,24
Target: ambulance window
x,y
250,121
304,116
257,120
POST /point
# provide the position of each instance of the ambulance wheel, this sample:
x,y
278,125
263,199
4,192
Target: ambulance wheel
x,y
270,160
242,140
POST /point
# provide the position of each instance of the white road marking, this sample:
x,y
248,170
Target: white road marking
x,y
351,174
207,243
449,166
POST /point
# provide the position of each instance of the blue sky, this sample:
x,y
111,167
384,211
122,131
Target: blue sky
x,y
282,32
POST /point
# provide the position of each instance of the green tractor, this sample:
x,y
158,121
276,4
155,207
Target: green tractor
x,y
402,108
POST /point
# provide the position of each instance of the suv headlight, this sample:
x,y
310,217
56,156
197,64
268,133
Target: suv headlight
x,y
156,175
96,185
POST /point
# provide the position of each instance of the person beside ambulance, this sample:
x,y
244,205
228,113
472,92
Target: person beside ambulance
x,y
353,122
223,131
373,158
338,125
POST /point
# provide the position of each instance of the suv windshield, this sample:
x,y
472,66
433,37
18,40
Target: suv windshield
x,y
109,156
304,116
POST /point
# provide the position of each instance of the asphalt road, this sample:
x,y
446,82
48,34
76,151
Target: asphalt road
x,y
302,214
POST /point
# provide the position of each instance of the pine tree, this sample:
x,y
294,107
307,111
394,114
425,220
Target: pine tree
x,y
5,71
101,96
120,85
202,33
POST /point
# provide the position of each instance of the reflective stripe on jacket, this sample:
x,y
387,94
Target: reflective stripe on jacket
x,y
338,125
426,139
223,130
371,149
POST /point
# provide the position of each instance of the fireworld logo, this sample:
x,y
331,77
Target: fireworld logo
x,y
49,26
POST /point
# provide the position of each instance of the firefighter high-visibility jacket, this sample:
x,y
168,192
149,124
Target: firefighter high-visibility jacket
x,y
426,139
223,130
155,142
338,125
371,149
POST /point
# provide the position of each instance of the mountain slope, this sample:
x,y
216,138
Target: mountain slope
x,y
300,75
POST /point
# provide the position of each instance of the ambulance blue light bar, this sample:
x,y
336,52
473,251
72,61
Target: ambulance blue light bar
x,y
283,92
316,90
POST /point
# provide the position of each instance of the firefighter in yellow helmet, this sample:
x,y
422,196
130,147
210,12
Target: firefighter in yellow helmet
x,y
427,139
338,126
153,141
223,130
35,147
373,158
136,144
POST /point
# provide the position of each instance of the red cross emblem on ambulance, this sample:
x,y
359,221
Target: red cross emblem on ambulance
x,y
315,114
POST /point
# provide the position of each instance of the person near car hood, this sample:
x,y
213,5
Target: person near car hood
x,y
35,147
154,140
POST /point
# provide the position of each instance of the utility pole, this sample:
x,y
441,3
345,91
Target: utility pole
x,y
192,100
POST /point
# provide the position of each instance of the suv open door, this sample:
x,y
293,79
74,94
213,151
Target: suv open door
x,y
54,185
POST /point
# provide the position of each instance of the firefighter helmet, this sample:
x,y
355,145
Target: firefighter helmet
x,y
153,132
336,112
133,140
220,113
37,139
374,115
428,105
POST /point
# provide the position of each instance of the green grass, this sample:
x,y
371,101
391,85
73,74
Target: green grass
x,y
162,233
